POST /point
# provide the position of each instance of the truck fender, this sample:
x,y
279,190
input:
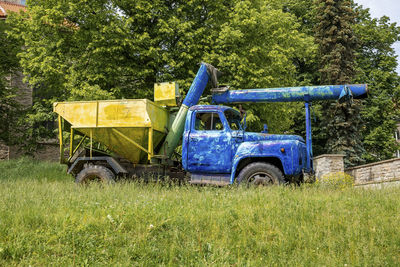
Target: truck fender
x,y
80,161
262,149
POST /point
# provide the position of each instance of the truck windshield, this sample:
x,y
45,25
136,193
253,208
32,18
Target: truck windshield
x,y
233,118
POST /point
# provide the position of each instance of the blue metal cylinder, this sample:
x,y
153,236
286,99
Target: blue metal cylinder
x,y
192,98
197,88
292,94
309,165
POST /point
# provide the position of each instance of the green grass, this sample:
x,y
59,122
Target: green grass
x,y
45,219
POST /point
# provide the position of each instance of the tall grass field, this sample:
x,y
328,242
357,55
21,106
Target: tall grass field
x,y
47,220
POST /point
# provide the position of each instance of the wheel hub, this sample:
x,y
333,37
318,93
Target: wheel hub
x,y
261,178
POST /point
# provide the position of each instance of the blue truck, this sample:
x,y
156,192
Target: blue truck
x,y
216,148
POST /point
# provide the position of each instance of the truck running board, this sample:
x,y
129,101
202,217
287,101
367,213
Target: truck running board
x,y
210,179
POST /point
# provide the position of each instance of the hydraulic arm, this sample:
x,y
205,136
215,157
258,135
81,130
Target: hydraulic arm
x,y
192,98
293,94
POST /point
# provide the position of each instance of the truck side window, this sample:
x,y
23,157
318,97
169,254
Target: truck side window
x,y
233,118
208,121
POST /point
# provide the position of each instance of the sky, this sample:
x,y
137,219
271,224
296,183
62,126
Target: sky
x,y
390,8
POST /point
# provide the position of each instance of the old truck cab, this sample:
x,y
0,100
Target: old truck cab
x,y
216,149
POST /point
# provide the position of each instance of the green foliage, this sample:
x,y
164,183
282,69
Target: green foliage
x,y
38,124
376,65
114,48
47,220
256,48
21,125
10,110
119,48
336,40
60,52
337,45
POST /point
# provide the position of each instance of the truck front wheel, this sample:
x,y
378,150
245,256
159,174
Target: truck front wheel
x,y
92,173
260,173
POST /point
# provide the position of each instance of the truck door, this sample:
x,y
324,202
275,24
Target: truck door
x,y
209,144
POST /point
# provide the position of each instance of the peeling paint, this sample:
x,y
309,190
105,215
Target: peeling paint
x,y
220,151
291,94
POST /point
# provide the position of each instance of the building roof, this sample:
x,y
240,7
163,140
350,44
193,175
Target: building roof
x,y
6,8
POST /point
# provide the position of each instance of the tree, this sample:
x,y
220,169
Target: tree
x,y
119,48
337,46
257,47
376,65
110,49
115,48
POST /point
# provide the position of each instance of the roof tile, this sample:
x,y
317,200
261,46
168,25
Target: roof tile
x,y
6,7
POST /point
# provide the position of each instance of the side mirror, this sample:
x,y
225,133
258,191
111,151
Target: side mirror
x,y
265,129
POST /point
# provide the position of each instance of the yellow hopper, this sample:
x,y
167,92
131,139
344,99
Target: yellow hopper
x,y
131,128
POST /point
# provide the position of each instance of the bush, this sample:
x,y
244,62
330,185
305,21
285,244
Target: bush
x,y
336,180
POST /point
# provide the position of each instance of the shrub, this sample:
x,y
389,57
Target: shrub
x,y
336,180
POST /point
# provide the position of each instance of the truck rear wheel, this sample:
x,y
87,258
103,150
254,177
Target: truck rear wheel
x,y
95,173
260,173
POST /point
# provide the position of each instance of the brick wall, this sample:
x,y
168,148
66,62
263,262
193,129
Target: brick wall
x,y
377,172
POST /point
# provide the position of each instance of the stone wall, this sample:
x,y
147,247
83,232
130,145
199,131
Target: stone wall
x,y
387,171
328,163
397,136
48,151
24,97
377,172
25,92
4,152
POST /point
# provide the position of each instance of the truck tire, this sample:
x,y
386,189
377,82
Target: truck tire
x,y
95,173
260,173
